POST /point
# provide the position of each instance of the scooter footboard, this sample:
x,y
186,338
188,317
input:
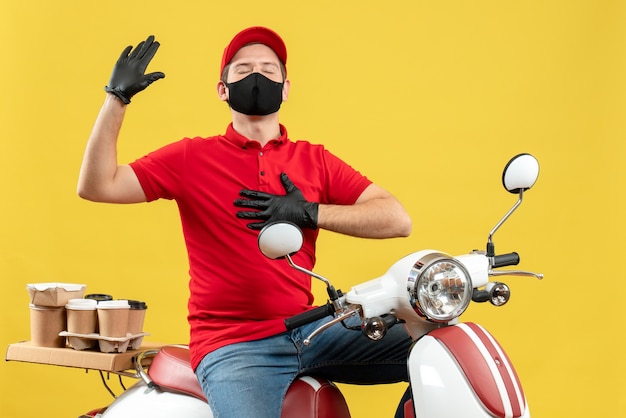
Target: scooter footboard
x,y
461,370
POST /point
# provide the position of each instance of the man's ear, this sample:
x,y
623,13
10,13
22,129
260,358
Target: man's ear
x,y
222,91
286,86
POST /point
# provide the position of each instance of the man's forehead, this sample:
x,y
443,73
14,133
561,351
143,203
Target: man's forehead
x,y
256,52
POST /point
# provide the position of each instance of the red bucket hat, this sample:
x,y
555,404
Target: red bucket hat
x,y
255,35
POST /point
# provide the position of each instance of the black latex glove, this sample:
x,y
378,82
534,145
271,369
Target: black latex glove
x,y
292,207
128,76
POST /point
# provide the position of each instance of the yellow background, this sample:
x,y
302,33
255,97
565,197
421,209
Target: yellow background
x,y
428,98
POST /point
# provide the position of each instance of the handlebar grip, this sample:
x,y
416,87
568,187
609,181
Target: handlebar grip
x,y
309,316
510,259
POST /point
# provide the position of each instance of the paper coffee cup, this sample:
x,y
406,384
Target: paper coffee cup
x,y
81,316
98,297
45,325
136,316
113,318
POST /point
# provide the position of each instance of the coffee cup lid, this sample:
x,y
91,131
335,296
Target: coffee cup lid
x,y
137,304
113,304
99,297
81,304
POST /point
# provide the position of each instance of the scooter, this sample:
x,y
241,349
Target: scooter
x,y
455,369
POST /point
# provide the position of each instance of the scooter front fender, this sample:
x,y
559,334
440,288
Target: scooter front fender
x,y
142,401
461,371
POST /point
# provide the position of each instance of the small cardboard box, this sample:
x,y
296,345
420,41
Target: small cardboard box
x,y
54,294
110,362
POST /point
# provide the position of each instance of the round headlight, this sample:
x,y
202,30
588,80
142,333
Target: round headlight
x,y
440,287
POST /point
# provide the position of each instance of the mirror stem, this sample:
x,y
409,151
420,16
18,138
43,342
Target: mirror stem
x,y
491,251
332,293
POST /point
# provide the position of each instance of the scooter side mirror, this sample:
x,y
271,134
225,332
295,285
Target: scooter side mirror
x,y
520,173
280,239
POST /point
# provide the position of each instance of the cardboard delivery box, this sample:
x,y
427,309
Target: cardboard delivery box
x,y
54,294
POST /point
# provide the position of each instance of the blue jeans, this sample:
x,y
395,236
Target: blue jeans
x,y
250,379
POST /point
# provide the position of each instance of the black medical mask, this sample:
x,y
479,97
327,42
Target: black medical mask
x,y
255,95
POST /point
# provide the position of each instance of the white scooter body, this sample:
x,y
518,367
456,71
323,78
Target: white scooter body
x,y
455,370
142,401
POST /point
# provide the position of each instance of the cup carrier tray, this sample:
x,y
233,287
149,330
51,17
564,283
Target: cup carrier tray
x,y
105,344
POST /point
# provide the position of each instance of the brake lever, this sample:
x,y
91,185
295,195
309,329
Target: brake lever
x,y
341,317
515,273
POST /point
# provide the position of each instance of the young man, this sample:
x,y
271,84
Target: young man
x,y
227,188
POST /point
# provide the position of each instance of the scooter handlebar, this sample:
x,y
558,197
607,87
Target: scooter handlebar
x,y
510,259
309,316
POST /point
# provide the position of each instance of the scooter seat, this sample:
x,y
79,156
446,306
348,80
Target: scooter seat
x,y
171,370
314,397
307,397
